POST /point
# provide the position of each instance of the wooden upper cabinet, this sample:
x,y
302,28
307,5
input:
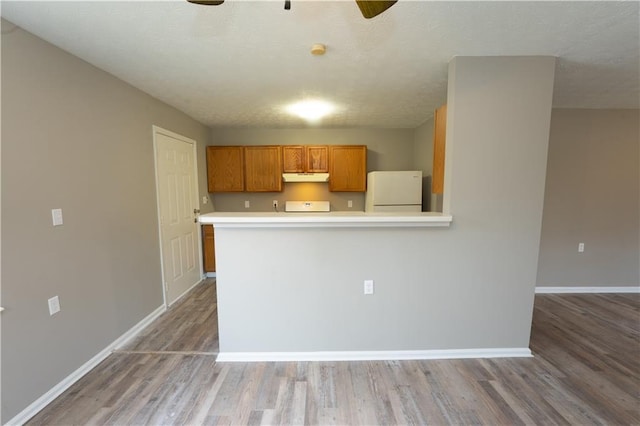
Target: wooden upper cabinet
x,y
225,168
348,168
439,143
263,168
293,159
317,159
305,159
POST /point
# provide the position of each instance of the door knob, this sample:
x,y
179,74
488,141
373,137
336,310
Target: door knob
x,y
196,211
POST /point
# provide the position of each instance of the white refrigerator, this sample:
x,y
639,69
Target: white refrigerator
x,y
397,191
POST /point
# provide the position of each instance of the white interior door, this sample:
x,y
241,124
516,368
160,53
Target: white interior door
x,y
177,206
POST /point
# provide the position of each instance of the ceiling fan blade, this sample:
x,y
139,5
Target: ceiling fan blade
x,y
207,2
371,8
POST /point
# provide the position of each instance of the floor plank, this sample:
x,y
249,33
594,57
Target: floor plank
x,y
190,325
585,370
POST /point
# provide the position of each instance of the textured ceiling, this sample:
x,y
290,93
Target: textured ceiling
x,y
240,63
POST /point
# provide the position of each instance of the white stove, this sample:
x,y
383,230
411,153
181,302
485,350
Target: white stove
x,y
307,206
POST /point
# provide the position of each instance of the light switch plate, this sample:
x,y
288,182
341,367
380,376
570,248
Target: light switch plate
x,y
368,286
56,216
54,305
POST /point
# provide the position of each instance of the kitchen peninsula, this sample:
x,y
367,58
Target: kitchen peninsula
x,y
290,285
295,287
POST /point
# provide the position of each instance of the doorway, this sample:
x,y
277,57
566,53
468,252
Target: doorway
x,y
178,208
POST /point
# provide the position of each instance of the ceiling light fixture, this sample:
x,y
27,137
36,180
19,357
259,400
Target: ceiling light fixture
x,y
318,49
311,110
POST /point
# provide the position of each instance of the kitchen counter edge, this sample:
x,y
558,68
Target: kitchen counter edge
x,y
318,220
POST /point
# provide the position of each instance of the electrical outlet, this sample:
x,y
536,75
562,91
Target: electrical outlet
x,y
205,200
368,286
350,203
580,247
275,204
54,305
247,204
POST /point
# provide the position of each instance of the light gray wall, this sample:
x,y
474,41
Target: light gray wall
x,y
76,138
387,149
469,286
591,197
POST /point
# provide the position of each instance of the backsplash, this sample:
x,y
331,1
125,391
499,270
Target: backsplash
x,y
262,201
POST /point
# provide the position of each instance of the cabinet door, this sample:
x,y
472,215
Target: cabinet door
x,y
293,159
208,249
263,168
305,159
439,143
348,168
317,159
225,168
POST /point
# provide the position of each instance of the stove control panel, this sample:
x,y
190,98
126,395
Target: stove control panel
x,y
307,206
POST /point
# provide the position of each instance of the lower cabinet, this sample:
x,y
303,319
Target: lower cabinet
x,y
208,249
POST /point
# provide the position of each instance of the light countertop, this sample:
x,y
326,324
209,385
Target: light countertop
x,y
331,219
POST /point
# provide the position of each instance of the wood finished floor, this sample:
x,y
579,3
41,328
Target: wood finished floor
x,y
586,371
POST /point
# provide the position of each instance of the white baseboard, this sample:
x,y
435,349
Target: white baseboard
x,y
623,289
55,391
210,275
373,355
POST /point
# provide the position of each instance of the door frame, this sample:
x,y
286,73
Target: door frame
x,y
194,144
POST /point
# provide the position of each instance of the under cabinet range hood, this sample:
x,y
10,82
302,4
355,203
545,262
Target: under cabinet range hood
x,y
305,177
